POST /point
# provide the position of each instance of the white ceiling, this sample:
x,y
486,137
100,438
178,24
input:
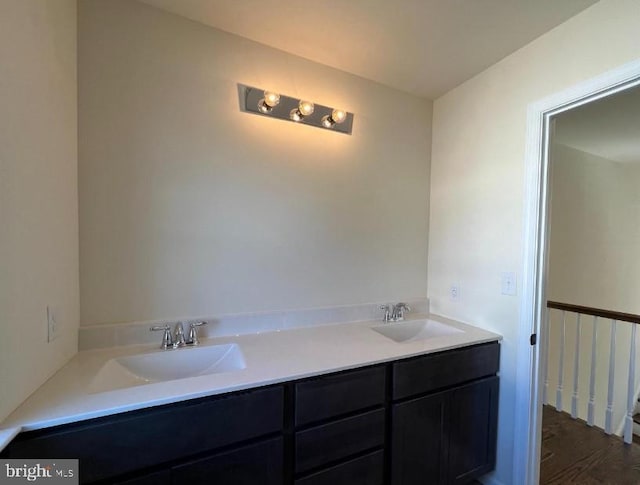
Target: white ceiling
x,y
608,128
424,47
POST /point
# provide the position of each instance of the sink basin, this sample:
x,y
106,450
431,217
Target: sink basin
x,y
141,369
415,330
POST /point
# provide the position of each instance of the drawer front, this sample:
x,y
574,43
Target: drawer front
x,y
121,444
445,369
340,439
366,470
158,478
330,396
260,463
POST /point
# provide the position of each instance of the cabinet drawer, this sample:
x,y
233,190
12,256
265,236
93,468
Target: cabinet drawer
x,y
260,463
330,396
366,470
111,446
446,369
340,439
158,478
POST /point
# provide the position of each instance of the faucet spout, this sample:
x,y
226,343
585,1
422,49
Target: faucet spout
x,y
179,335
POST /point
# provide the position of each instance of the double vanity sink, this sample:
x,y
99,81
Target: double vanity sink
x,y
162,365
343,404
107,382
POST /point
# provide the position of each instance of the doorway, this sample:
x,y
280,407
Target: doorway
x,y
591,385
532,351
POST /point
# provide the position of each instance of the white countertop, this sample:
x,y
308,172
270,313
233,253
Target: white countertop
x,y
271,357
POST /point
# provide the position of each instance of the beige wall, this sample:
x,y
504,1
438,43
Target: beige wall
x,y
593,261
190,207
478,174
595,232
38,192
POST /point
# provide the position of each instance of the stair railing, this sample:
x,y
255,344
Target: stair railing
x,y
615,318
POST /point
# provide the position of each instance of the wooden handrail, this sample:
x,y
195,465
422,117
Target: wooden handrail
x,y
596,312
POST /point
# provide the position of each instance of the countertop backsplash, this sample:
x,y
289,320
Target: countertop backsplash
x,y
134,333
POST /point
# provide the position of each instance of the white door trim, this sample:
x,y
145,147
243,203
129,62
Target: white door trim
x,y
531,359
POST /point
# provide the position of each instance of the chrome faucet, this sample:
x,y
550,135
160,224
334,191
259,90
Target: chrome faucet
x,y
193,333
177,339
398,311
167,338
395,313
387,313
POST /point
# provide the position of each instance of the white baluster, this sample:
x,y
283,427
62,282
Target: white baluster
x,y
592,377
576,366
608,420
545,390
561,363
628,420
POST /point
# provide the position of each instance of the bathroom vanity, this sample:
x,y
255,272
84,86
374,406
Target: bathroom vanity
x,y
429,418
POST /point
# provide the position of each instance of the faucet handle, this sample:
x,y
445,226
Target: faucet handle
x,y
167,338
398,311
193,333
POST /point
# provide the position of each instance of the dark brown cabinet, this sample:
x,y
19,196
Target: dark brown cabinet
x,y
259,463
125,443
338,418
364,470
472,430
424,420
444,416
418,441
445,438
156,478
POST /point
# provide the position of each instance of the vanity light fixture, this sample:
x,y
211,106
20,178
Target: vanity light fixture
x,y
270,103
337,116
304,109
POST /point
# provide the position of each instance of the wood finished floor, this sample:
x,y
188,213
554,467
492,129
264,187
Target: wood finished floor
x,y
572,452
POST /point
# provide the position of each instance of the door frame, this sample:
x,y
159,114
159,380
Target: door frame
x,y
531,360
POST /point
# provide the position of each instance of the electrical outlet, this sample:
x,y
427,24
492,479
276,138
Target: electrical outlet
x,y
508,283
454,292
52,325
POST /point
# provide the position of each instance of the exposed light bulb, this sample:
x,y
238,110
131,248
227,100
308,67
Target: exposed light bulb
x,y
295,115
306,108
327,121
263,107
271,99
338,115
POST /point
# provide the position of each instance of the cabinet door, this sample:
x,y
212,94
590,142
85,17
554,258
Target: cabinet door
x,y
158,478
261,463
473,430
418,445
